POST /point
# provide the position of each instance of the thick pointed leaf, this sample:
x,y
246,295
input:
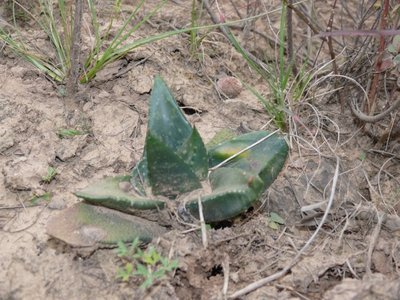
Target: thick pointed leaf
x,y
166,120
169,175
194,153
234,191
265,159
108,192
84,225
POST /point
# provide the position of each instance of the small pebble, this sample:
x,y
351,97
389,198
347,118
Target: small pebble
x,y
230,86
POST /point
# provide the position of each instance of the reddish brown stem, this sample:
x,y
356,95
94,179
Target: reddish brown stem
x,y
370,105
333,57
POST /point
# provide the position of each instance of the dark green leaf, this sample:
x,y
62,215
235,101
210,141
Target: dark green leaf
x,y
169,175
265,159
166,120
194,153
234,191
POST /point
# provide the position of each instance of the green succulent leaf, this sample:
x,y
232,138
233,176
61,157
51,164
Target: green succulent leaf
x,y
84,225
265,159
169,175
166,120
194,153
221,136
108,192
234,191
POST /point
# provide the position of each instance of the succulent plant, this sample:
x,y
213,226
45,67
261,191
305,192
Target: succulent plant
x,y
174,164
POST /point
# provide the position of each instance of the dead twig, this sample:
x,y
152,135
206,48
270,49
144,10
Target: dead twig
x,y
225,266
374,239
72,80
333,57
370,105
289,30
202,224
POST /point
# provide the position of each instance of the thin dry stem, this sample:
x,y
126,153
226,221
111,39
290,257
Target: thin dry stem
x,y
202,224
73,76
374,240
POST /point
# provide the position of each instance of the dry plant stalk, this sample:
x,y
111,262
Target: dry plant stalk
x,y
72,80
370,105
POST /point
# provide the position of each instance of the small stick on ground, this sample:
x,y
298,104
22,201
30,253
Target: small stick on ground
x,y
71,104
374,239
289,28
72,80
225,266
370,106
202,224
333,57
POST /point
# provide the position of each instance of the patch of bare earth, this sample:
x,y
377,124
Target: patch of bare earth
x,y
355,254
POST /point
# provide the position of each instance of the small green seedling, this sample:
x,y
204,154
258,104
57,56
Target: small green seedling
x,y
68,133
362,156
51,174
36,199
274,220
148,265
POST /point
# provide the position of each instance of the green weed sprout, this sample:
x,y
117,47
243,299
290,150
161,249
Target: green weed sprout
x,y
68,133
51,174
148,265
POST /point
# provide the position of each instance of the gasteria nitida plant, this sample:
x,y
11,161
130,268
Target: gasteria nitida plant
x,y
227,178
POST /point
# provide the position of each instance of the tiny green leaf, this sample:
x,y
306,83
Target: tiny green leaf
x,y
273,225
51,174
392,49
141,270
274,217
122,250
125,273
362,156
38,198
68,133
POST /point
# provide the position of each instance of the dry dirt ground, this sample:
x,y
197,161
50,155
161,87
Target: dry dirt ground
x,y
355,255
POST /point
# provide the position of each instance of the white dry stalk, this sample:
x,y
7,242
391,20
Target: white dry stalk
x,y
374,238
369,183
241,151
379,177
255,285
202,224
225,266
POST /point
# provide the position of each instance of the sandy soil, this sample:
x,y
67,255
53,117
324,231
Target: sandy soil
x,y
354,256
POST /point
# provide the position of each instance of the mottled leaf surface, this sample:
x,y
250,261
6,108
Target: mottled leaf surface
x,y
84,225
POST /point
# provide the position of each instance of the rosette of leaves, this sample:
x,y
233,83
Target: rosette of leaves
x,y
175,162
